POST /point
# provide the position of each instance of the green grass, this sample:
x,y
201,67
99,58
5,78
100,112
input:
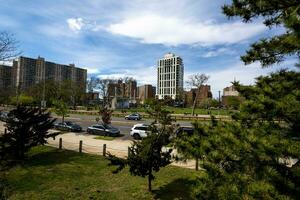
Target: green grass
x,y
100,137
49,173
175,110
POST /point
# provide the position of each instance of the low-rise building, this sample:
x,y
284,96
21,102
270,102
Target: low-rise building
x,y
146,92
231,97
204,93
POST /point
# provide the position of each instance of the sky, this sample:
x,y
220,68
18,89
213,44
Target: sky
x,y
118,38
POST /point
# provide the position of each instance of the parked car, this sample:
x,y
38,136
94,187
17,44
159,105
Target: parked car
x,y
181,130
139,131
101,129
3,116
68,126
133,116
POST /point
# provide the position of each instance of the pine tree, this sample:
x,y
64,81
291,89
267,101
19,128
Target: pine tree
x,y
252,156
26,128
273,50
148,155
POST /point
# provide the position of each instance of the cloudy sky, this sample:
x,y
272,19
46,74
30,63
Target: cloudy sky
x,y
117,38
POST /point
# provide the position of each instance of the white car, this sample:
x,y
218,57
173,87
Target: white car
x,y
139,131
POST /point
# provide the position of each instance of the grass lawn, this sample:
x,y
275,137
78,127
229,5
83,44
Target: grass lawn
x,y
100,137
49,173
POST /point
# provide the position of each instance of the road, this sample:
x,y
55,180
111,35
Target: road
x,y
122,124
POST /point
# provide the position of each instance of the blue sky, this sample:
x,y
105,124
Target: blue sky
x,y
117,38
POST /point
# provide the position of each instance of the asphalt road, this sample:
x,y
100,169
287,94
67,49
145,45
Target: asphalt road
x,y
122,124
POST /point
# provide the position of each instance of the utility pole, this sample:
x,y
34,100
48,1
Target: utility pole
x,y
219,98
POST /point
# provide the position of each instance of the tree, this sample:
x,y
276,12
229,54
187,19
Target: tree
x,y
102,85
105,114
272,50
197,81
22,99
8,46
208,102
250,157
147,156
27,127
47,91
233,101
60,108
72,93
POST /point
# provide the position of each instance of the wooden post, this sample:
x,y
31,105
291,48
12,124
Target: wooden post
x,y
104,150
128,152
60,143
80,146
197,164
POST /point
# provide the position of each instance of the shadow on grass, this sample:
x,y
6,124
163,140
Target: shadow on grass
x,y
177,189
41,156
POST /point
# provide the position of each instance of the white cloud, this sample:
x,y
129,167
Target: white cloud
x,y
145,75
157,29
75,24
218,52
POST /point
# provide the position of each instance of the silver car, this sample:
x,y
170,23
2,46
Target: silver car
x,y
105,130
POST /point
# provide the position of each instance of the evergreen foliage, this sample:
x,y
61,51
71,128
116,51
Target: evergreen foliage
x,y
273,50
26,128
253,156
148,156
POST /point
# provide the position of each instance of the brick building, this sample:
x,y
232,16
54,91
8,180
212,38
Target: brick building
x,y
146,92
204,94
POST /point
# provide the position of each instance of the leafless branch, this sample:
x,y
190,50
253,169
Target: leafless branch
x,y
8,47
197,80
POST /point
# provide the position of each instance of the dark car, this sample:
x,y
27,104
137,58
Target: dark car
x,y
105,130
68,126
3,116
187,130
133,116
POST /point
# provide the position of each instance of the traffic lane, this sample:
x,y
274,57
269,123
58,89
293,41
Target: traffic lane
x,y
91,120
124,129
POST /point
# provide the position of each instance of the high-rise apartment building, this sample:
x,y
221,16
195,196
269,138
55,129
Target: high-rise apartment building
x,y
30,71
170,71
6,77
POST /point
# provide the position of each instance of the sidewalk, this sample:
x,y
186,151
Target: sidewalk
x,y
118,147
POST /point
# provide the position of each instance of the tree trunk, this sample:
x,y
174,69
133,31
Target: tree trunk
x,y
149,182
63,119
195,101
197,164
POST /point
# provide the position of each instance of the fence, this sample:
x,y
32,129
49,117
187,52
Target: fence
x,y
82,147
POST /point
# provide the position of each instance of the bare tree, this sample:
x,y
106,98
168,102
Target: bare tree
x,y
102,86
8,46
91,83
196,81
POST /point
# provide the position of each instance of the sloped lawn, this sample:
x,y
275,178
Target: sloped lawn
x,y
49,173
